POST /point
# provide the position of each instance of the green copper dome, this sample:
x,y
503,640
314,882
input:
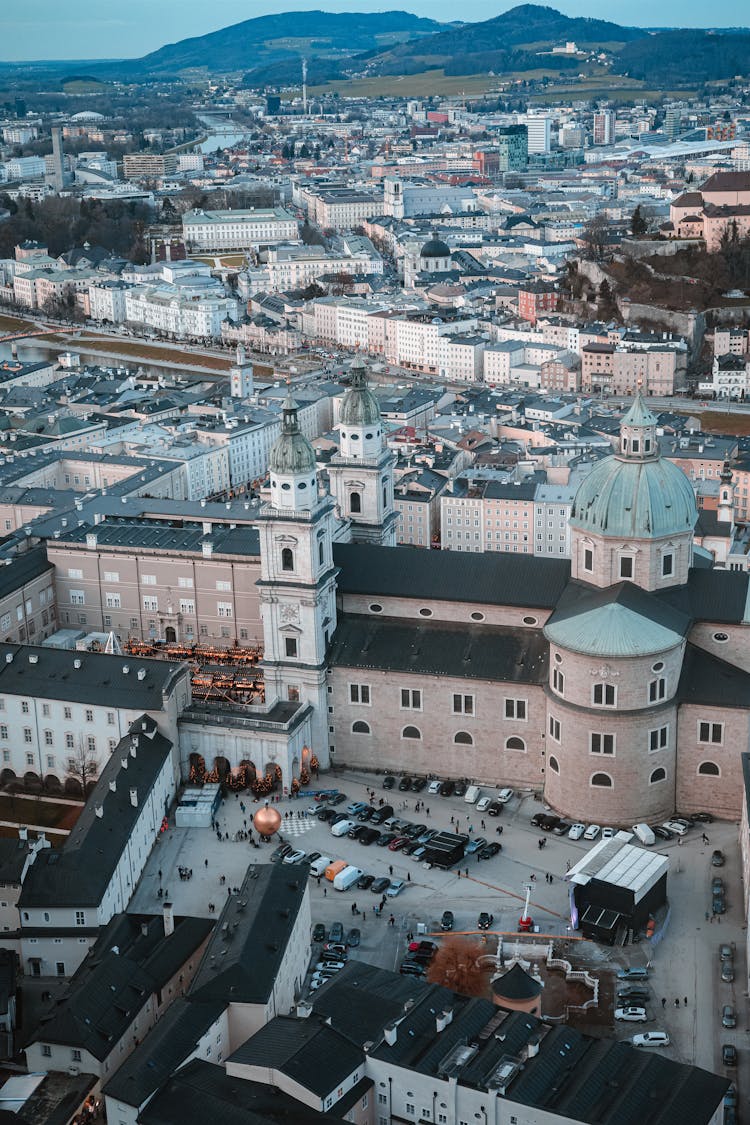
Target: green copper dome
x,y
292,454
359,406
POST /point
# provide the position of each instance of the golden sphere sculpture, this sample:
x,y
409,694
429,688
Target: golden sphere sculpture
x,y
267,821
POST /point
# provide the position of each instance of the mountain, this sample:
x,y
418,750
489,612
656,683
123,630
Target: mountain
x,y
695,55
288,35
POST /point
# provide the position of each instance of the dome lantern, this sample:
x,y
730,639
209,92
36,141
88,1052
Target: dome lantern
x,y
292,463
638,441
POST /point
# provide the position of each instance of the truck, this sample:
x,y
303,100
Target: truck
x,y
347,878
333,869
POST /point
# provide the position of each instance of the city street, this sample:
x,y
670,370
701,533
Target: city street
x,y
684,965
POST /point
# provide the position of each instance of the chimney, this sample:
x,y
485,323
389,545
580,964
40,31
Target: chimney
x,y
99,811
134,798
206,527
113,785
208,550
144,929
168,915
390,1033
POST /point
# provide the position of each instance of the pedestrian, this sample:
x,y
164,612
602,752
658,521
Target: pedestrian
x,y
663,1001
390,869
707,915
408,876
685,1001
206,862
676,1002
467,873
160,874
482,824
375,911
567,865
325,892
451,820
427,811
391,921
532,877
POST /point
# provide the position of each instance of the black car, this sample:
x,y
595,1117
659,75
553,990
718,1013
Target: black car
x,y
446,788
319,932
418,784
728,1055
494,808
485,920
662,833
701,817
491,850
326,814
550,822
633,999
353,937
339,798
459,789
385,839
409,968
367,814
356,831
381,814
337,817
537,818
414,830
411,847
369,836
365,882
380,886
336,933
389,782
404,784
422,951
562,828
280,852
446,922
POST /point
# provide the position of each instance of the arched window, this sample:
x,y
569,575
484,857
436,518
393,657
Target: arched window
x,y
287,558
657,775
355,502
360,728
411,732
709,769
463,738
385,497
515,744
320,552
603,780
554,765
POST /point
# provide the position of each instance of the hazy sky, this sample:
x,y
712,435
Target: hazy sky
x,y
80,29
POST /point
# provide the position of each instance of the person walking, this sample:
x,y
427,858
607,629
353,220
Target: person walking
x,y
390,869
663,1001
391,921
677,1002
408,876
685,1001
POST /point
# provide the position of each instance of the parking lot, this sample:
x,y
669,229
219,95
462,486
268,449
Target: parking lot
x,y
684,965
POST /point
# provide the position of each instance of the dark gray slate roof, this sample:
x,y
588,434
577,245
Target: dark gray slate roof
x,y
361,999
22,569
79,873
482,652
202,1091
489,577
707,679
579,598
711,595
51,673
160,537
244,954
307,1051
172,1040
110,988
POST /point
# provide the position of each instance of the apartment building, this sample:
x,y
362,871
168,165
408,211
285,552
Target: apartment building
x,y
416,498
295,267
148,165
238,230
730,377
190,313
150,582
27,598
620,371
107,301
521,517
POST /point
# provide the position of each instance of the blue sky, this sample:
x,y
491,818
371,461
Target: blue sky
x,y
79,29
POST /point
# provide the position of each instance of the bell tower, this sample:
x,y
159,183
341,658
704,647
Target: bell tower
x,y
361,473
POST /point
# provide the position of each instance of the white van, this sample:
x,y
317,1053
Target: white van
x,y
318,867
347,878
342,827
472,795
644,834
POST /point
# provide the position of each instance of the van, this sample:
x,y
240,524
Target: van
x,y
473,793
333,869
644,834
318,866
347,878
342,827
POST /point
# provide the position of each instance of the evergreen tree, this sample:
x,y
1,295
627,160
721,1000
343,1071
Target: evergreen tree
x,y
638,225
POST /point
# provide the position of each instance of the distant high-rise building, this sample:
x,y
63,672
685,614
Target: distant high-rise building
x,y
273,104
672,123
572,136
512,148
604,127
540,132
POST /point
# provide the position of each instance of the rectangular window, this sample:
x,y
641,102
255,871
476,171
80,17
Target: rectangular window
x,y
112,601
3,731
148,579
657,689
290,646
111,576
463,704
69,741
76,1055
46,1050
626,567
48,738
411,699
91,744
25,707
29,759
151,605
45,709
711,732
75,573
604,695
359,693
187,606
224,609
658,739
27,734
185,583
67,713
667,566
558,681
224,587
515,709
554,728
80,918
77,597
602,743
89,715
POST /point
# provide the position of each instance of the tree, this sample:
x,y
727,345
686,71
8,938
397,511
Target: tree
x,y
607,308
638,225
596,237
83,766
456,966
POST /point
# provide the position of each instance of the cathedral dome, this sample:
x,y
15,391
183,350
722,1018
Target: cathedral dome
x,y
635,494
292,453
435,248
359,406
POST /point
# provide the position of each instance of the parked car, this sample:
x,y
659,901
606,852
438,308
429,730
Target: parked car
x,y
485,920
550,822
338,798
336,932
701,817
494,808
727,971
365,882
427,836
446,789
717,858
355,808
504,796
728,1054
281,852
561,828
717,885
418,852
592,832
459,788
631,1015
330,965
651,1039
446,922
366,814
475,845
319,932
483,804
384,839
725,953
418,784
626,998
353,937
295,857
411,847
576,831
490,851
414,831
632,973
335,949
369,836
397,844
356,831
313,856
728,1016
422,950
337,818
380,885
396,887
686,824
661,832
675,826
434,787
537,818
388,782
404,784
607,833
718,904
409,968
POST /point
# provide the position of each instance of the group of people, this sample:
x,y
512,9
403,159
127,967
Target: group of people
x,y
185,873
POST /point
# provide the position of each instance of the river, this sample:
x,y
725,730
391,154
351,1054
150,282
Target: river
x,y
36,352
223,133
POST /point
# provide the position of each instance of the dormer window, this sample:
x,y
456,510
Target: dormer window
x,y
636,445
647,445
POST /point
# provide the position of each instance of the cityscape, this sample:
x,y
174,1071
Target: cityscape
x,y
374,566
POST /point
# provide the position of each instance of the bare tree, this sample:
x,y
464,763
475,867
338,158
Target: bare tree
x,y
83,765
596,237
456,966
